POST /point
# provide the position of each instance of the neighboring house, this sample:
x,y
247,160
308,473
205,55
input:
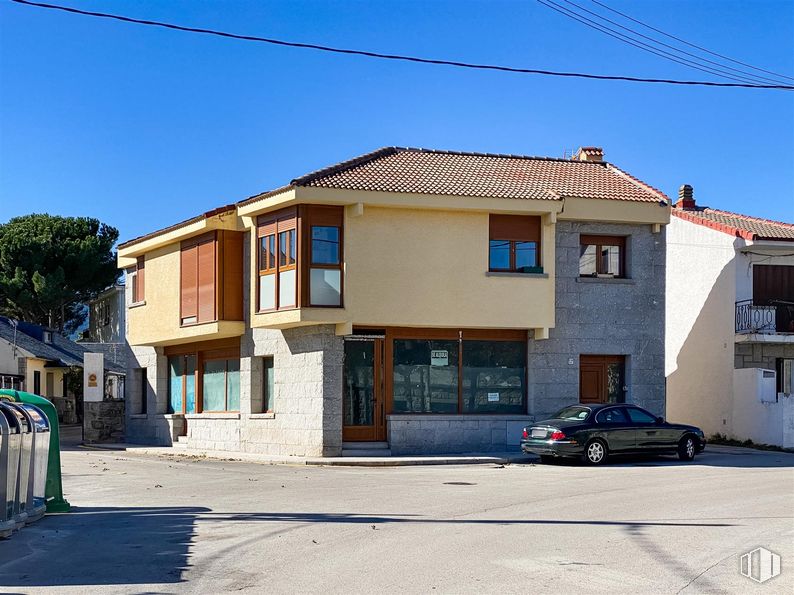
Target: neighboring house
x,y
730,323
106,316
106,335
427,301
35,359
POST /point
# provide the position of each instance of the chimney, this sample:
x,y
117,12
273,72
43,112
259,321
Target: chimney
x,y
595,154
686,198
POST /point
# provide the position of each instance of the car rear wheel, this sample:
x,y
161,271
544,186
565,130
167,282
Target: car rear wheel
x,y
687,448
595,452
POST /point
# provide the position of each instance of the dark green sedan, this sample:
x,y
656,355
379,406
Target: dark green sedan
x,y
594,432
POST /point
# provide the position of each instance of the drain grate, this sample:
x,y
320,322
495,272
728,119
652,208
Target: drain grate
x,y
459,483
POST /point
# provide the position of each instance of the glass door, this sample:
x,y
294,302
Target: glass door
x,y
362,410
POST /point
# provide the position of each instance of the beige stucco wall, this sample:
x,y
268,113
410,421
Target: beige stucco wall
x,y
425,268
156,321
700,316
405,267
34,365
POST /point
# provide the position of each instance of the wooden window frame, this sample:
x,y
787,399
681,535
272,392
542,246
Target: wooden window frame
x,y
138,281
324,217
599,241
214,357
203,350
460,335
515,229
274,224
265,390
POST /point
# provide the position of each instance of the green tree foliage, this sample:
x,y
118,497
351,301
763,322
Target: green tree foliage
x,y
50,266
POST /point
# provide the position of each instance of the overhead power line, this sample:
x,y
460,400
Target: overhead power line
x,y
642,45
692,45
396,57
720,65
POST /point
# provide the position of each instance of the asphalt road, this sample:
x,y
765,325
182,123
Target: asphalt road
x,y
145,525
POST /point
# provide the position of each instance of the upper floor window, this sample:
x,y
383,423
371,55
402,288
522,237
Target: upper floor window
x,y
210,278
602,256
300,258
138,280
514,244
278,259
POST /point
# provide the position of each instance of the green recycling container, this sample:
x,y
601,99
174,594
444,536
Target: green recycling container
x,y
54,489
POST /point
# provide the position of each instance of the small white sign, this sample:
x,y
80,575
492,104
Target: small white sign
x,y
93,377
493,397
439,357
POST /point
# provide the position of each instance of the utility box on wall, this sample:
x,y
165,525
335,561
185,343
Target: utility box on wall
x,y
755,383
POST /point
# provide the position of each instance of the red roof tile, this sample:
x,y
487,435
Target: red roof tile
x,y
422,171
743,226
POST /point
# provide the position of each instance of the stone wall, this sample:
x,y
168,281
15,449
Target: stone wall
x,y
103,421
431,434
307,405
603,317
761,355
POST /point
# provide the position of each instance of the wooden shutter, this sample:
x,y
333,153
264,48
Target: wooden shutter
x,y
230,306
772,282
206,281
188,282
520,228
140,275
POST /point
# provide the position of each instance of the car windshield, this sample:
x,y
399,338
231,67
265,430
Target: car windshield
x,y
572,413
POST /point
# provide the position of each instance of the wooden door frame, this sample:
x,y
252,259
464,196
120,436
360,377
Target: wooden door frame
x,y
377,431
601,362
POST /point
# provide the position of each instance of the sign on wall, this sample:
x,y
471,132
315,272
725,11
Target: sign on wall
x,y
439,357
93,377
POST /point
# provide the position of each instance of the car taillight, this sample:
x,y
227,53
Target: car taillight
x,y
557,435
525,434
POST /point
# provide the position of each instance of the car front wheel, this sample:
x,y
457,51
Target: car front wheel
x,y
687,448
595,452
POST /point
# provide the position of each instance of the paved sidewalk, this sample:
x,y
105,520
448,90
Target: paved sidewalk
x,y
501,458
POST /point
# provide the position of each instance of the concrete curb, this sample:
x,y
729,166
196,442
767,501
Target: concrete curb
x,y
462,459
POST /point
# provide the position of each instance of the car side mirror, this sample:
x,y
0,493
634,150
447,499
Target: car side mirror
x,y
659,420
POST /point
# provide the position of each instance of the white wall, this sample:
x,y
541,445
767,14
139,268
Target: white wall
x,y
699,321
762,422
8,358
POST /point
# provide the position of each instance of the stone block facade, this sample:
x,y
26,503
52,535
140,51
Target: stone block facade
x,y
761,355
103,421
603,317
593,316
432,434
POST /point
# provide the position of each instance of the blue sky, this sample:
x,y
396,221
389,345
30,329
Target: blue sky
x,y
143,127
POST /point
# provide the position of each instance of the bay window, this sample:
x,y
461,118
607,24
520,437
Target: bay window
x,y
300,258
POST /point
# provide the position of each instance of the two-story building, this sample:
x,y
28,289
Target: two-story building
x,y
420,301
730,322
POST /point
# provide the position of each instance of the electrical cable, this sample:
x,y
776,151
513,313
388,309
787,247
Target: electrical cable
x,y
398,57
639,44
624,15
755,77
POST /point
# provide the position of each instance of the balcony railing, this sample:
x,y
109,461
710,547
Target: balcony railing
x,y
776,317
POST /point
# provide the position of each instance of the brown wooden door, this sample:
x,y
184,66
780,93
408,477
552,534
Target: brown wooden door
x,y
601,379
363,412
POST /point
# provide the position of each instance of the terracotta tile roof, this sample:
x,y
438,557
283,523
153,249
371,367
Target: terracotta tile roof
x,y
743,226
423,171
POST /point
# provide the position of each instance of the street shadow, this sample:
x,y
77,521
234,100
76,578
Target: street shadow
x,y
151,545
101,546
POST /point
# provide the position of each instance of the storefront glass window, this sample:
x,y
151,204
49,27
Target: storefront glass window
x,y
425,376
494,376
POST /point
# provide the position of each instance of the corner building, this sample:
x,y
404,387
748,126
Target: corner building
x,y
419,301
